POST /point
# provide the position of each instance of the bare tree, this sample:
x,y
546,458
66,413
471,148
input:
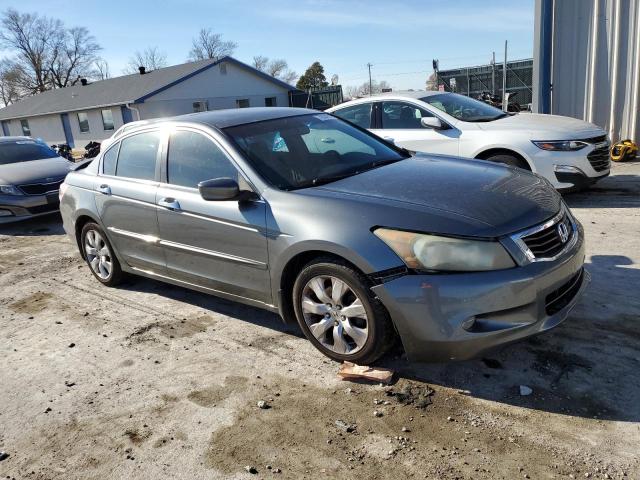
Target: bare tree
x,y
260,62
278,68
46,54
100,70
351,91
376,87
72,56
32,39
9,86
151,59
210,45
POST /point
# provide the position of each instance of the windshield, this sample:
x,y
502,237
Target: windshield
x,y
464,108
24,151
309,150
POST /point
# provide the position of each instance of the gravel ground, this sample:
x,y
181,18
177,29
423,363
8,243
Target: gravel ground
x,y
154,381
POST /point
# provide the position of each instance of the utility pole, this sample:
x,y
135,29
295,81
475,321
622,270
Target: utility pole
x,y
493,74
436,67
370,82
504,79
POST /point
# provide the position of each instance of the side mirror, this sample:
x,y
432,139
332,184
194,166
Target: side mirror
x,y
432,122
219,189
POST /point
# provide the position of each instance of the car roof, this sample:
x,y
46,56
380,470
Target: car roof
x,y
222,118
400,94
15,139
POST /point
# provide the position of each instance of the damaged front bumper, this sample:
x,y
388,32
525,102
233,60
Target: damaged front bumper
x,y
458,316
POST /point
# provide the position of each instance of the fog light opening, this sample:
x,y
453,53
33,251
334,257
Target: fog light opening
x,y
469,323
567,169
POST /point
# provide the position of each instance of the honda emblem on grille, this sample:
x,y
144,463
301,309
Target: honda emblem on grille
x,y
563,232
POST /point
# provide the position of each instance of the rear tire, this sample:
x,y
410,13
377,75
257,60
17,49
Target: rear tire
x,y
510,160
99,255
339,314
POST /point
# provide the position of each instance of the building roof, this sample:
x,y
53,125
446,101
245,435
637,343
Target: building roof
x,y
133,88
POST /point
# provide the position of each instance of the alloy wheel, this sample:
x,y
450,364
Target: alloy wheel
x,y
98,254
334,314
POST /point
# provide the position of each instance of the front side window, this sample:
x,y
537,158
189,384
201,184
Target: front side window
x,y
26,131
464,108
309,150
357,114
193,158
107,120
109,160
400,115
242,103
83,122
137,157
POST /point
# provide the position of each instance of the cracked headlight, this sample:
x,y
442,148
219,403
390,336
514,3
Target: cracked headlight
x,y
432,252
9,190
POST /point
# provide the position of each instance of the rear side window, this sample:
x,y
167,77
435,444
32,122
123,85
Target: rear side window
x,y
109,160
137,157
193,158
358,114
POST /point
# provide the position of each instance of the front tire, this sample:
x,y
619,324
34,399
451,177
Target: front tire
x,y
339,314
99,255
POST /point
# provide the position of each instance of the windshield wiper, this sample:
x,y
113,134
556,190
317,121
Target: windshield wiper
x,y
334,178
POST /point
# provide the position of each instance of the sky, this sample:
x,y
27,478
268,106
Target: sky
x,y
399,38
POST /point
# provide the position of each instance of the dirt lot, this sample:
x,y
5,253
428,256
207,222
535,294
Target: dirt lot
x,y
152,381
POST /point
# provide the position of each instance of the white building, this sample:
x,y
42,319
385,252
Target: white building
x,y
92,111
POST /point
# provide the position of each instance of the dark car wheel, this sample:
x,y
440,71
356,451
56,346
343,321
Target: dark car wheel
x,y
338,313
99,255
509,160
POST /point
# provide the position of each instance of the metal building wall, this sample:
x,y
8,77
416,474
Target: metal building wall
x,y
593,50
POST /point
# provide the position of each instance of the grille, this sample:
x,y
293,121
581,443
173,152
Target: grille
x,y
41,188
601,138
49,207
560,298
547,243
599,159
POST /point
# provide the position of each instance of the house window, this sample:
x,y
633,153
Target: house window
x,y
107,120
26,131
242,103
270,102
83,122
223,68
201,106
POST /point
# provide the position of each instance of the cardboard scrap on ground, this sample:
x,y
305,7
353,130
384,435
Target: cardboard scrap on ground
x,y
351,371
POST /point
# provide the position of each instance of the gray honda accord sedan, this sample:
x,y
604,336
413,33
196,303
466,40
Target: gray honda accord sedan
x,y
356,240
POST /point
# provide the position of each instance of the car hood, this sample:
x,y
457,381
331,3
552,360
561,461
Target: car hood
x,y
33,171
545,127
483,198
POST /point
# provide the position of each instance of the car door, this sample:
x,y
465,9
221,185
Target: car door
x,y
219,245
401,122
126,199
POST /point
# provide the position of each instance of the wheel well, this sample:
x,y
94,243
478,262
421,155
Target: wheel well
x,y
80,223
290,273
502,151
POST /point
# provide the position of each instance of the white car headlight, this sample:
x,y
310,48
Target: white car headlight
x,y
9,190
560,146
433,252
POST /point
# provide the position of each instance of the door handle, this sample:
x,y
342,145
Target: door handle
x,y
170,203
104,189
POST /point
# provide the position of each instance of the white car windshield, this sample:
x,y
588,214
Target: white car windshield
x,y
464,108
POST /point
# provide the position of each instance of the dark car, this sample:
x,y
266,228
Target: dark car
x,y
30,176
304,214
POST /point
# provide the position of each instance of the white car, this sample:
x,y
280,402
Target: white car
x,y
570,153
